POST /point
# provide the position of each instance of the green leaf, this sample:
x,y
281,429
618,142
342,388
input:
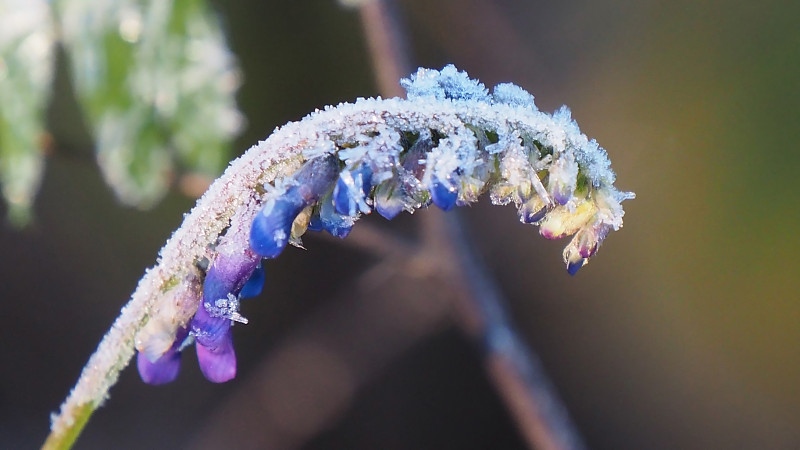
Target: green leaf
x,y
157,82
26,73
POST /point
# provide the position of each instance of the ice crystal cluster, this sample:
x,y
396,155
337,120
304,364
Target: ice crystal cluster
x,y
448,143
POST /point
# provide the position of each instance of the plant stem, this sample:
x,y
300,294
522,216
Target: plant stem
x,y
65,440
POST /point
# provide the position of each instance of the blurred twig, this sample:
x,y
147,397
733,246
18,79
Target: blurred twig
x,y
516,373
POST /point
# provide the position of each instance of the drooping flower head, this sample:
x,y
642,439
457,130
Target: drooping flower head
x,y
447,144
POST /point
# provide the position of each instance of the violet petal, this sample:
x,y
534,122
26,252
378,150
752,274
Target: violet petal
x,y
166,368
218,364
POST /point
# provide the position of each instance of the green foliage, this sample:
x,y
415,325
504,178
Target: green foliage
x,y
26,67
155,79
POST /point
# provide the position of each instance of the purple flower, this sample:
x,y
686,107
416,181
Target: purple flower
x,y
574,265
404,189
211,325
218,362
272,226
444,193
351,191
165,369
255,284
336,224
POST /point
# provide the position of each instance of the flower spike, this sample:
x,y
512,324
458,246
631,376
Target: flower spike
x,y
448,143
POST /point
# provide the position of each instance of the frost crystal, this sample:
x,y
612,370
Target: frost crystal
x,y
227,308
512,94
448,83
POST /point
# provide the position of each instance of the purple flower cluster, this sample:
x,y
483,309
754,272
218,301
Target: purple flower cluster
x,y
557,178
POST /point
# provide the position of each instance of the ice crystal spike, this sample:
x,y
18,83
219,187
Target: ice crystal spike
x,y
447,83
450,138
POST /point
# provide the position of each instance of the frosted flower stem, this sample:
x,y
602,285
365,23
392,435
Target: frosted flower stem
x,y
452,114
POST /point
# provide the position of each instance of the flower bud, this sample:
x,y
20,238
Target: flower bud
x,y
444,193
352,188
164,369
272,226
562,222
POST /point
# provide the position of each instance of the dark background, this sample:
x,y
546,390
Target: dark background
x,y
681,333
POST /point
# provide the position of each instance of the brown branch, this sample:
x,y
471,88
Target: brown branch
x,y
512,367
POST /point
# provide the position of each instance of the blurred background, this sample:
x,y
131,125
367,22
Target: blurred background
x,y
682,332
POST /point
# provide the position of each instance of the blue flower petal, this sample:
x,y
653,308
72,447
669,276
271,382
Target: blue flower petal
x,y
574,265
315,224
342,198
272,226
255,284
334,223
388,199
352,188
444,195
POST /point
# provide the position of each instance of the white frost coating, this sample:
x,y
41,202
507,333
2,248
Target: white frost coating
x,y
376,125
512,94
227,308
446,83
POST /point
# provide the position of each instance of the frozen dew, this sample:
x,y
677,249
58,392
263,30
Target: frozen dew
x,y
511,94
227,308
448,83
